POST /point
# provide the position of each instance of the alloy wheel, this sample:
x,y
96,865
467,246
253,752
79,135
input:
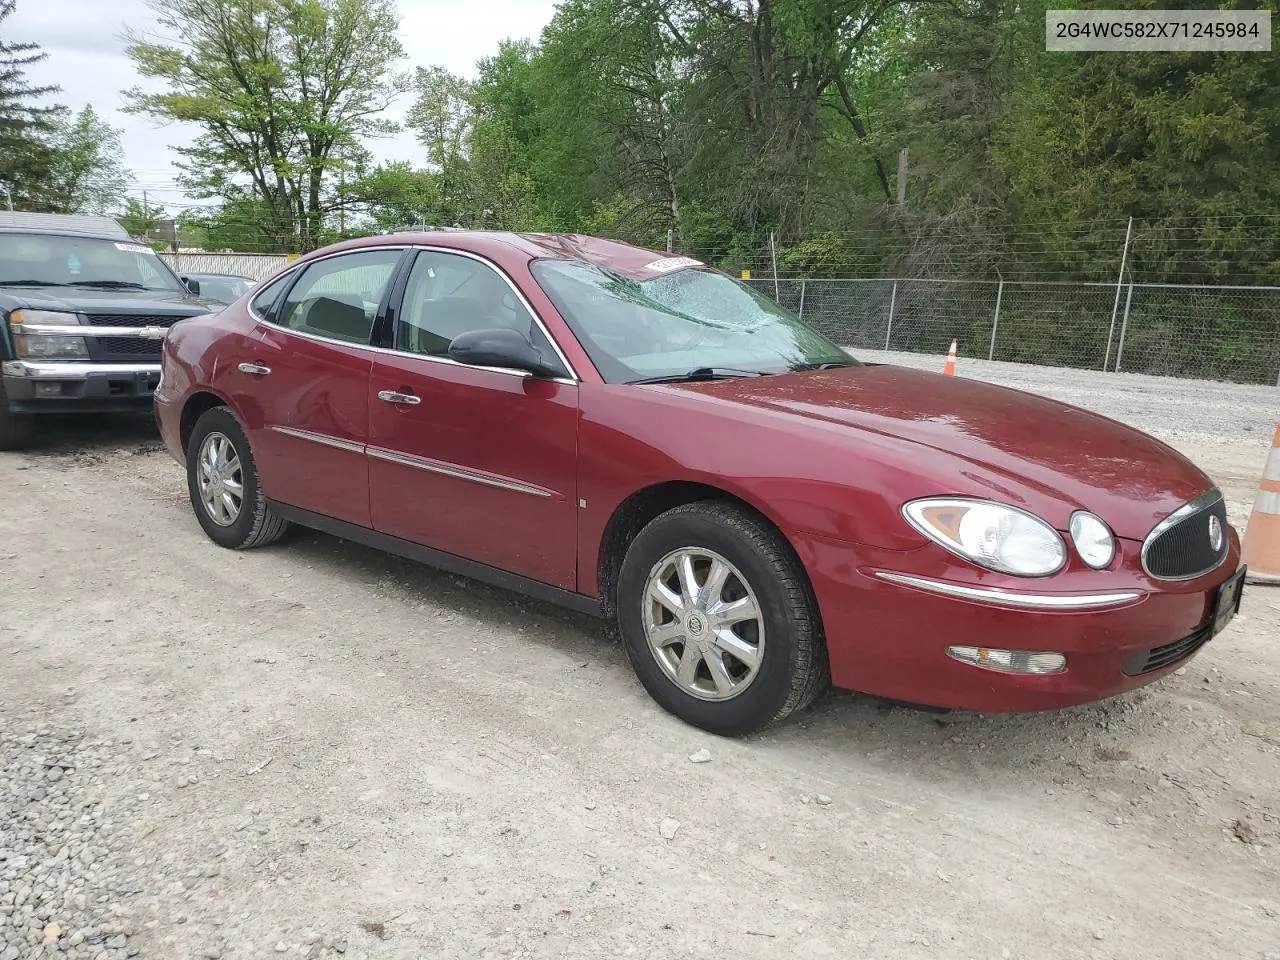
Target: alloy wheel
x,y
220,478
703,623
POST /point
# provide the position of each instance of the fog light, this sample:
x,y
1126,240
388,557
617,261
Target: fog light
x,y
49,388
1010,661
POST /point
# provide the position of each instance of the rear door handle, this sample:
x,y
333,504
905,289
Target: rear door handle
x,y
391,396
257,369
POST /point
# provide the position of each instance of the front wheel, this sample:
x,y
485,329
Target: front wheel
x,y
718,619
223,484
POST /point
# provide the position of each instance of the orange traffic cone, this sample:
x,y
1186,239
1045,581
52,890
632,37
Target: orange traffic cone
x,y
950,369
1261,550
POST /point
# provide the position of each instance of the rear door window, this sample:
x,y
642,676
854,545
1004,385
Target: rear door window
x,y
262,304
338,298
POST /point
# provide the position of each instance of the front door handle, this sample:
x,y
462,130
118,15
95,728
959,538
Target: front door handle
x,y
257,369
391,396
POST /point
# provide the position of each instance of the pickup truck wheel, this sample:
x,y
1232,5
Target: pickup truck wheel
x,y
718,619
16,431
223,484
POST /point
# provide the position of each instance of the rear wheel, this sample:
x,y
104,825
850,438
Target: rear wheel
x,y
16,431
223,484
718,619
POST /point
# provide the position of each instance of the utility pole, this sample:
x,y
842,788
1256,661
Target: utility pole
x,y
342,201
902,177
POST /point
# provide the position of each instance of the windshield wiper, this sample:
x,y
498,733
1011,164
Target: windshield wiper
x,y
30,283
109,284
805,367
703,373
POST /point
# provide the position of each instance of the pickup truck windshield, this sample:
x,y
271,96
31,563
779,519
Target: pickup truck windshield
x,y
51,260
691,324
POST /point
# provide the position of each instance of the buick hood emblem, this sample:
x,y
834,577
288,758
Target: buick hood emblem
x,y
1215,534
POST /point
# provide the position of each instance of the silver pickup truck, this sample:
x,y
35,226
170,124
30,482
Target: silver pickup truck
x,y
84,310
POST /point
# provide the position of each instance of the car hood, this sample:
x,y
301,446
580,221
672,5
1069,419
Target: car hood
x,y
88,300
1011,446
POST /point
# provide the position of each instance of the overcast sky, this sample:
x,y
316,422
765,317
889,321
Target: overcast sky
x,y
86,58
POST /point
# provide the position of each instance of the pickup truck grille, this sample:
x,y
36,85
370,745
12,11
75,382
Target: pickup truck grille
x,y
129,348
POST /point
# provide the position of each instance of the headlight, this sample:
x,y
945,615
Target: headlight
x,y
38,346
1093,539
990,534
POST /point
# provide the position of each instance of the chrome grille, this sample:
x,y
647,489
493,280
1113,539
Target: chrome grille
x,y
1182,546
129,348
133,320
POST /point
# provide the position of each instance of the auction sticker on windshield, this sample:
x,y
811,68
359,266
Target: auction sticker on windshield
x,y
134,248
672,263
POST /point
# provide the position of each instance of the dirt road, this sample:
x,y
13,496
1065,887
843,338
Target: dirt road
x,y
316,749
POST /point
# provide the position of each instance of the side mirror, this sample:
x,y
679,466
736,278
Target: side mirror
x,y
193,286
501,348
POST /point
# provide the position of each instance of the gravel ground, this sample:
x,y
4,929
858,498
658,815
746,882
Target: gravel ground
x,y
319,750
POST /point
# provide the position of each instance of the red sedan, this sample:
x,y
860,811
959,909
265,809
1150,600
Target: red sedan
x,y
638,436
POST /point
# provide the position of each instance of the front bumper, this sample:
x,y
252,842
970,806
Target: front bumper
x,y
888,636
34,387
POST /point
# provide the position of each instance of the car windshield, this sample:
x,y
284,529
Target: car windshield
x,y
690,323
52,260
222,289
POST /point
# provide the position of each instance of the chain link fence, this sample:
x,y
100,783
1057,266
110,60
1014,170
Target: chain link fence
x,y
254,266
1204,331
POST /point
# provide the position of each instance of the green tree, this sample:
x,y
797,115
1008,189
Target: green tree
x,y
139,218
610,132
396,196
280,88
241,224
442,116
87,174
1187,143
25,121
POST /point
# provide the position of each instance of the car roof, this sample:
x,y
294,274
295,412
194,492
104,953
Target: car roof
x,y
623,258
63,224
66,232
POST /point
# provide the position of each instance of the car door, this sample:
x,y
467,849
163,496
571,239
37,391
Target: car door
x,y
477,462
307,377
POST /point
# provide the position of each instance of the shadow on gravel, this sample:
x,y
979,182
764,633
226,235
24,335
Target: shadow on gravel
x,y
414,583
841,724
92,438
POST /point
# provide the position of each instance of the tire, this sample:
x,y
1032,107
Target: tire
x,y
16,431
792,669
253,524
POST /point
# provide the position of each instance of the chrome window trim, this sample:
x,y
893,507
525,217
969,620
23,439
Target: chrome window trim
x,y
321,438
522,374
309,263
1033,601
1203,502
431,466
572,380
249,303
